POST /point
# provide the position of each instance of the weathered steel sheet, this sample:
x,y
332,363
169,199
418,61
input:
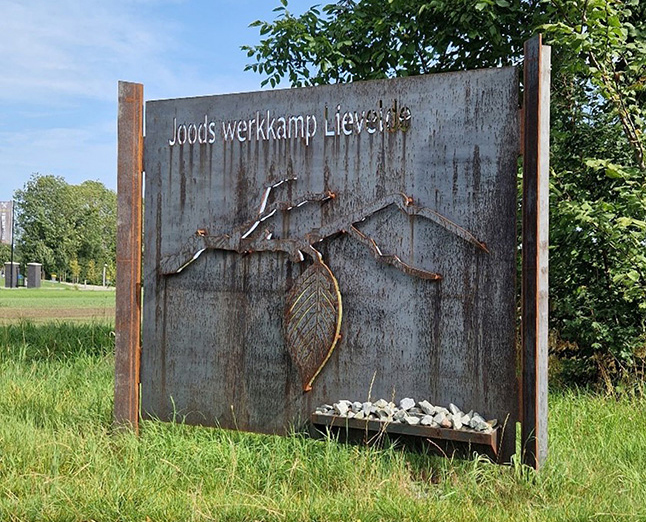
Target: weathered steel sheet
x,y
438,192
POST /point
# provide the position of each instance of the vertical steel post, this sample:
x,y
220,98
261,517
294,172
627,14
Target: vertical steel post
x,y
535,244
129,227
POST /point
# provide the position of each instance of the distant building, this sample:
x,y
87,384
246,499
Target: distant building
x,y
6,216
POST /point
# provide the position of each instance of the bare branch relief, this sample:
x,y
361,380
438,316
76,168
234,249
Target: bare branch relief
x,y
253,236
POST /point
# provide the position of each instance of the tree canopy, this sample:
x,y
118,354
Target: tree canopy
x,y
70,229
598,189
369,39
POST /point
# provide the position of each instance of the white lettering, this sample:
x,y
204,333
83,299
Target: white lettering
x,y
250,122
228,129
358,121
371,121
281,129
328,131
181,130
201,130
260,127
293,123
270,127
347,124
264,127
242,129
311,128
192,133
173,140
212,132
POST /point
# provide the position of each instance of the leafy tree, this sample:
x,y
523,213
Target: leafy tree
x,y
602,46
44,219
598,223
91,275
75,270
369,39
62,225
95,223
5,253
110,274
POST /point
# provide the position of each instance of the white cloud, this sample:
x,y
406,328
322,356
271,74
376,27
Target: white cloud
x,y
60,61
55,49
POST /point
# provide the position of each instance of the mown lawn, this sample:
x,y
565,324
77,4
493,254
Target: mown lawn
x,y
56,301
60,460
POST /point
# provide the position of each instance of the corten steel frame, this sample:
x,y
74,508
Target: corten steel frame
x,y
129,228
535,243
534,327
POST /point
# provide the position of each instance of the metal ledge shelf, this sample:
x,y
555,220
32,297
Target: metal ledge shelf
x,y
490,440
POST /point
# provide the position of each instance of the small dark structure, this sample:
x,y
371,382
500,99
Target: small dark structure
x,y
34,271
9,281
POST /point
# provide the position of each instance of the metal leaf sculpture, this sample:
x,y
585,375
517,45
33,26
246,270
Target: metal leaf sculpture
x,y
313,320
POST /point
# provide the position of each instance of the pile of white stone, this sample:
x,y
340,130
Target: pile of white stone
x,y
409,412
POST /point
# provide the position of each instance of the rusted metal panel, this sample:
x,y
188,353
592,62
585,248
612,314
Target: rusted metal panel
x,y
420,235
129,229
535,245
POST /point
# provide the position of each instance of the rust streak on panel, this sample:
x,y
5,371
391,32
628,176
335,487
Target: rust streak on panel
x,y
521,121
129,228
535,252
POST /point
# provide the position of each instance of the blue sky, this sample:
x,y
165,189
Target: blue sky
x,y
61,61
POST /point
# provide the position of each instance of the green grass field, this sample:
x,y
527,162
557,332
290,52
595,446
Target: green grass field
x,y
56,301
61,461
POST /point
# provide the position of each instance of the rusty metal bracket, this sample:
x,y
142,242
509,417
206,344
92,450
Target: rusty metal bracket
x,y
391,259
